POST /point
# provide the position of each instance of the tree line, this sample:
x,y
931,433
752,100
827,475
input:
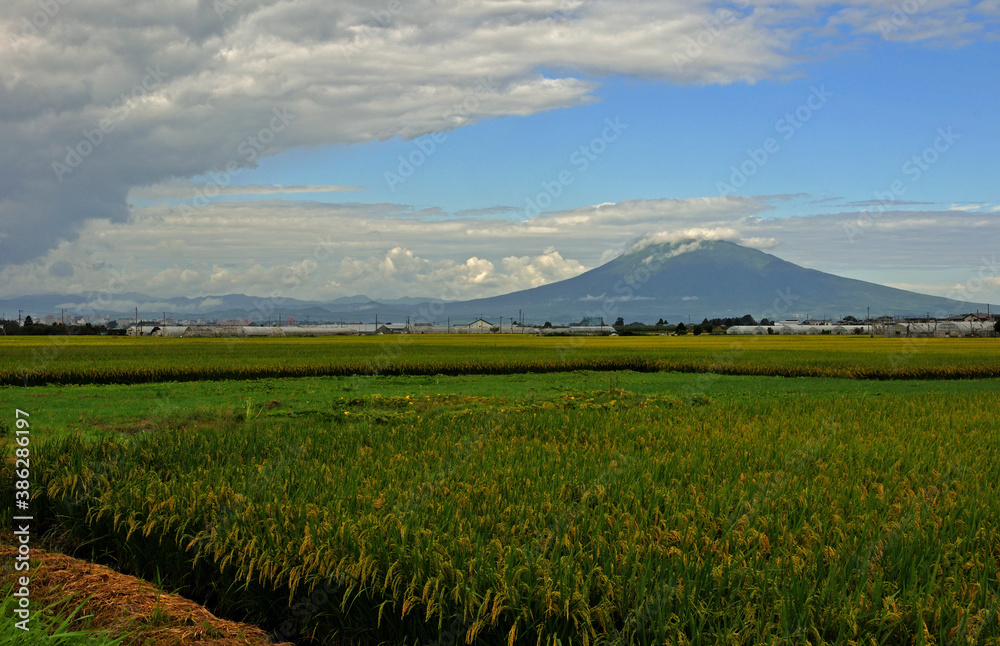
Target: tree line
x,y
33,328
707,326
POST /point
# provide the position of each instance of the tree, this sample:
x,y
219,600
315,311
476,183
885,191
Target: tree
x,y
996,326
619,321
27,320
681,329
697,330
661,323
546,325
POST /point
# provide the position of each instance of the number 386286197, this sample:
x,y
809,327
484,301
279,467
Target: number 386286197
x,y
23,454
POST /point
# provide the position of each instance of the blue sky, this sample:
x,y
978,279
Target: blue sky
x,y
853,137
888,101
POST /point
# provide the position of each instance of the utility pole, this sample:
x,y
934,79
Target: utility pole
x,y
19,317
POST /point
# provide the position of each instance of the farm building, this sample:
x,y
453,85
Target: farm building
x,y
940,329
479,326
394,328
799,328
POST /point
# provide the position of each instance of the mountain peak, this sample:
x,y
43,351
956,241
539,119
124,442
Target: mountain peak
x,y
699,275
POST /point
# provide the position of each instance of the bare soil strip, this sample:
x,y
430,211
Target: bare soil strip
x,y
120,604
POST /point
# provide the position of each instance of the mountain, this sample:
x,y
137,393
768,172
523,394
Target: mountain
x,y
695,279
704,279
218,307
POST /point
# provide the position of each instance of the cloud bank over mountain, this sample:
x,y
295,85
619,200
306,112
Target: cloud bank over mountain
x,y
113,117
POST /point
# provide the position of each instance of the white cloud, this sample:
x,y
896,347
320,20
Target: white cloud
x,y
321,251
138,94
684,235
759,243
188,191
549,267
213,92
450,279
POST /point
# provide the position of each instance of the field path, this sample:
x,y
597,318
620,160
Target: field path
x,y
122,604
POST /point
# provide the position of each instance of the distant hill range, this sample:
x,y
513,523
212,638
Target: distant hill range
x,y
695,279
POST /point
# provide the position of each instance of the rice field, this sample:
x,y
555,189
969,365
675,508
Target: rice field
x,y
617,509
121,360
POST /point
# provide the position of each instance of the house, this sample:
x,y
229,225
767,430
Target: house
x,y
393,328
477,326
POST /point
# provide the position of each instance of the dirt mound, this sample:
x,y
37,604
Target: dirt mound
x,y
121,604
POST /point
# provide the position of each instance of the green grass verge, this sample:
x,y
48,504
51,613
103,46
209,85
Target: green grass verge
x,y
95,411
57,624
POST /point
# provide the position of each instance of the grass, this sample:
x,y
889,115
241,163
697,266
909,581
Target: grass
x,y
85,360
584,507
56,624
102,410
522,500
